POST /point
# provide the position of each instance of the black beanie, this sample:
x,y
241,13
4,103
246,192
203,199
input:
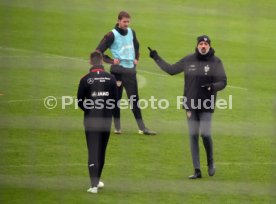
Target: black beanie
x,y
203,38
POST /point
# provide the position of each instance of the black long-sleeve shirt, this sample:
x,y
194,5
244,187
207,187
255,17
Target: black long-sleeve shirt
x,y
108,40
199,70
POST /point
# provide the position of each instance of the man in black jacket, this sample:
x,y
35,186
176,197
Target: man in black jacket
x,y
97,98
124,46
204,76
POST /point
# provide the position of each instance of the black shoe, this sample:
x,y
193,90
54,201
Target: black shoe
x,y
211,170
196,175
147,131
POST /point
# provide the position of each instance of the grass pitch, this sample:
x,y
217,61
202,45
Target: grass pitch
x,y
44,50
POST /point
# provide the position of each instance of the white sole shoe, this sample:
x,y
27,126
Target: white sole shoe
x,y
140,132
118,132
100,184
146,131
92,190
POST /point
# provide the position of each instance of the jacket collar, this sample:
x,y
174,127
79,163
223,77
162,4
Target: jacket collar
x,y
208,56
97,68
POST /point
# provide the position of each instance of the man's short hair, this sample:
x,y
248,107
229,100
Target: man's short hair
x,y
123,14
96,58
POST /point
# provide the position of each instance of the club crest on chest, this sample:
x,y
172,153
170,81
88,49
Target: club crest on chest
x,y
206,69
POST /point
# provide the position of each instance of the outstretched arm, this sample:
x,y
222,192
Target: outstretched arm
x,y
171,69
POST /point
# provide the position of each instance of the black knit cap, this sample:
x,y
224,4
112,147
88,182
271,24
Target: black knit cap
x,y
204,38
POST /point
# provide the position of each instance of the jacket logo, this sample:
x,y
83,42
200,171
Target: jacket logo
x,y
102,79
100,93
192,68
206,69
90,81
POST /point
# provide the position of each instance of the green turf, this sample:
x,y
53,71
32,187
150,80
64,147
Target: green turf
x,y
44,49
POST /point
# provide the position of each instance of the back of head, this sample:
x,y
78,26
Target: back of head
x,y
96,58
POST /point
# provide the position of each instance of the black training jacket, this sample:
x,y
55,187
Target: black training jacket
x,y
97,93
199,70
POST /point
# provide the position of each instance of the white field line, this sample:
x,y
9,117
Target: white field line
x,y
82,60
42,53
237,87
245,163
33,99
45,165
147,185
85,164
142,81
32,57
